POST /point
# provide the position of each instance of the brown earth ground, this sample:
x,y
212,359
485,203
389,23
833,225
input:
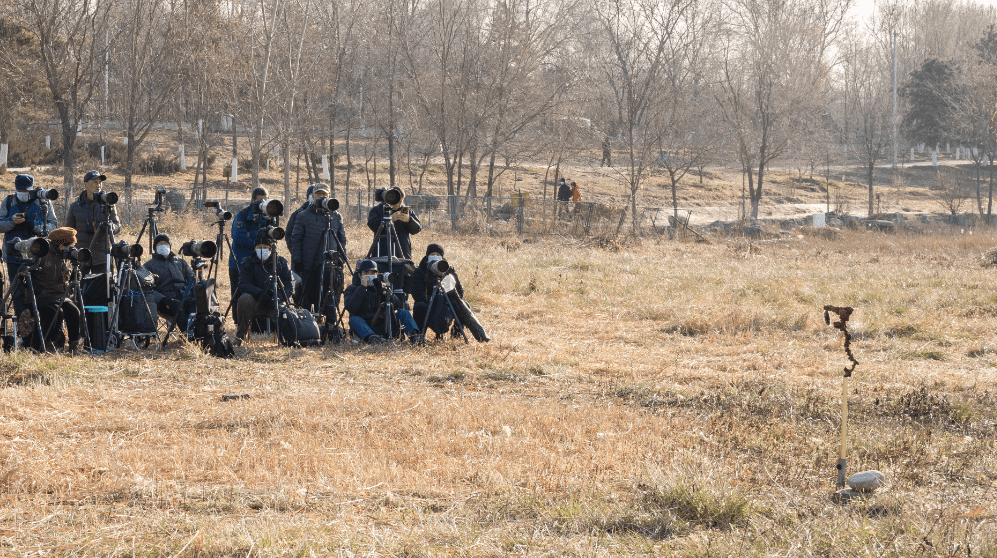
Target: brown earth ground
x,y
640,397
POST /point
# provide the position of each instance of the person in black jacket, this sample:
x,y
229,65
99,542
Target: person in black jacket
x,y
406,223
294,217
363,302
420,286
51,285
307,254
563,191
257,298
89,217
173,278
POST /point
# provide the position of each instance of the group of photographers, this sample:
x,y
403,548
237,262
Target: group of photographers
x,y
46,258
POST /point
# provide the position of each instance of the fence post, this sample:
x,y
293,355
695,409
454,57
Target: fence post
x,y
520,217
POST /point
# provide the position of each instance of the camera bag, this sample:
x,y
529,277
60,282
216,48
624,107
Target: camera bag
x,y
298,328
138,313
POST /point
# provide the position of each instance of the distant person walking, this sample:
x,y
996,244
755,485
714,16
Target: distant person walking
x,y
563,191
576,193
607,153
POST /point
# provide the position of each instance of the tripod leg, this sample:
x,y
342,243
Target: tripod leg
x,y
456,319
34,305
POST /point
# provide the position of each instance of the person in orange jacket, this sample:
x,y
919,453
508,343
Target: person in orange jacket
x,y
576,194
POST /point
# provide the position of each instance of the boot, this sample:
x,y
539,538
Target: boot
x,y
74,347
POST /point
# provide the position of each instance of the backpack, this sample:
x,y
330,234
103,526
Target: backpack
x,y
297,328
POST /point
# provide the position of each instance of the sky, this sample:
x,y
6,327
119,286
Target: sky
x,y
864,8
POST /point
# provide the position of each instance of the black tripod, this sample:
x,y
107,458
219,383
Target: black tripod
x,y
24,276
335,259
150,223
387,231
127,276
444,290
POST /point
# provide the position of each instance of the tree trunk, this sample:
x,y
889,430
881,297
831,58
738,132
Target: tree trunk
x,y
871,168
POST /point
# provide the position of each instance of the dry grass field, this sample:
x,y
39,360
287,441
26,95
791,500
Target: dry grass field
x,y
640,397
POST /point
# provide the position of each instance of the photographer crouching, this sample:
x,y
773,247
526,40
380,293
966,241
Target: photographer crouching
x,y
95,219
257,286
173,275
370,300
431,284
51,278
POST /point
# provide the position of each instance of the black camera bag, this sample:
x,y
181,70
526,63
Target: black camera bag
x,y
297,328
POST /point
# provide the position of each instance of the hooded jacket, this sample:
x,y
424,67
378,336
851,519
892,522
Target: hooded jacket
x,y
254,275
37,214
363,302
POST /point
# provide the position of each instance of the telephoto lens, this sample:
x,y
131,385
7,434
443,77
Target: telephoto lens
x,y
105,198
199,249
32,247
439,267
270,208
328,204
123,251
76,255
393,196
272,232
42,194
219,212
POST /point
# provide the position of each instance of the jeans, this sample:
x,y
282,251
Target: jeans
x,y
364,330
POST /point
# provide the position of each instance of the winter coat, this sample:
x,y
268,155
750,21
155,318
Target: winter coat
x,y
576,194
364,302
307,238
420,284
563,192
244,231
173,274
254,277
37,214
51,281
290,226
87,216
402,229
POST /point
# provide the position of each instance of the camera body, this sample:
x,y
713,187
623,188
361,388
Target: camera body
x,y
199,249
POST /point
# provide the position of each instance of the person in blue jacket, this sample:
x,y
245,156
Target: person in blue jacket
x,y
21,218
245,227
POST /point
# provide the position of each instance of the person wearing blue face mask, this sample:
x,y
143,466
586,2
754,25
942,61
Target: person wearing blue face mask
x,y
257,298
173,275
21,218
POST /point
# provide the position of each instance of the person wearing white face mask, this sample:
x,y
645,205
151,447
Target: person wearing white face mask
x,y
440,318
257,296
21,218
173,276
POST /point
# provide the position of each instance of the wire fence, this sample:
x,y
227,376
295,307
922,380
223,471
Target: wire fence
x,y
483,215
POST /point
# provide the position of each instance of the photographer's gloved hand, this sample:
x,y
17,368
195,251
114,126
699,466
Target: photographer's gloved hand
x,y
18,219
399,216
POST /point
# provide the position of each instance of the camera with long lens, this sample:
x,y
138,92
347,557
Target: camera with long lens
x,y
269,208
124,251
105,198
219,212
199,249
439,267
43,194
32,248
389,196
272,232
75,255
334,257
327,204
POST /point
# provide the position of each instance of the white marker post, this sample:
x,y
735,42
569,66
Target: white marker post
x,y
235,170
3,154
820,220
183,159
325,167
48,142
934,158
102,158
911,153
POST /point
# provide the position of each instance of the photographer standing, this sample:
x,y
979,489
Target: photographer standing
x,y
406,223
257,298
294,218
173,275
51,282
88,216
22,217
245,227
431,271
307,241
364,299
